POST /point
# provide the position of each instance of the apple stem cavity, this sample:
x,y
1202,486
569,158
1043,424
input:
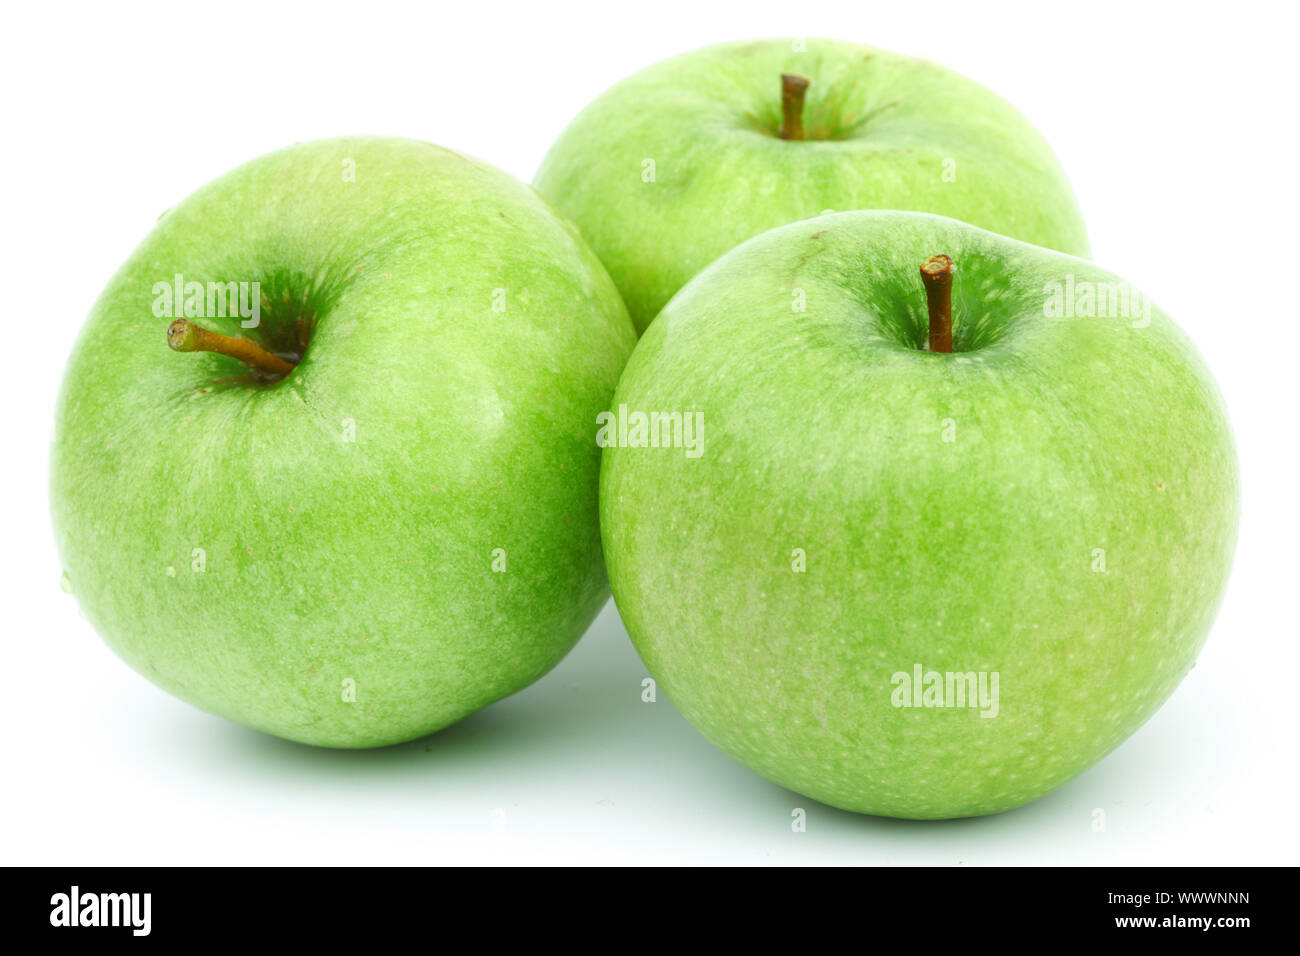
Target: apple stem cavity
x,y
184,336
936,273
793,89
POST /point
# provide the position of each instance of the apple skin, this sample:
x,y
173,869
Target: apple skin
x,y
252,548
824,431
895,132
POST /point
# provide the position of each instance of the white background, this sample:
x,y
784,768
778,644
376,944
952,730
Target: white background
x,y
1177,126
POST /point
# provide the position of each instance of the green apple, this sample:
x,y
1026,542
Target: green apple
x,y
366,507
908,582
681,162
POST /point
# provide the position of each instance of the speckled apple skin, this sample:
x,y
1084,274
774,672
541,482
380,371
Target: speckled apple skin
x,y
265,552
825,431
885,132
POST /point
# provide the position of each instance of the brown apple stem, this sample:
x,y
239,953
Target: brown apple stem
x,y
184,336
937,276
793,89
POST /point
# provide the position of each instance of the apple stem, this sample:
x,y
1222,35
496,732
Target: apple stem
x,y
793,89
184,336
937,276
